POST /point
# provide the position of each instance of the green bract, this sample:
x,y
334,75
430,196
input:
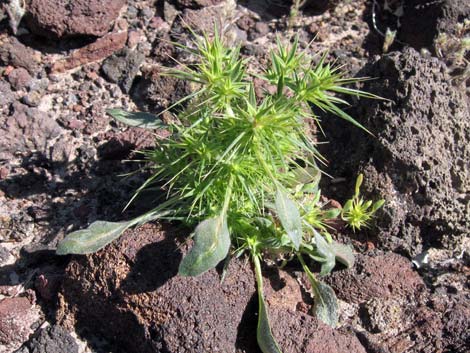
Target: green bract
x,y
241,166
358,212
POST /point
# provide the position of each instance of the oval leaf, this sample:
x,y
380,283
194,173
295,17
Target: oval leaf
x,y
326,252
289,216
343,254
138,119
211,245
326,304
95,237
265,338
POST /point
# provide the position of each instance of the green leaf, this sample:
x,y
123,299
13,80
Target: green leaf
x,y
332,213
95,237
308,176
289,216
343,254
325,251
211,245
347,206
326,304
359,181
377,205
266,341
138,119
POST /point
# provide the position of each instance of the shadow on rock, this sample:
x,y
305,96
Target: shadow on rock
x,y
153,266
246,336
417,23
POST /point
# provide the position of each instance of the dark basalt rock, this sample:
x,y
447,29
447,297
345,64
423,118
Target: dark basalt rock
x,y
67,18
130,293
418,160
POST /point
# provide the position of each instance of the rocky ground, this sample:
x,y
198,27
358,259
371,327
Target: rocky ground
x,y
63,63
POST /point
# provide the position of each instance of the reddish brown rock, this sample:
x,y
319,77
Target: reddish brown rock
x,y
377,275
16,54
25,130
156,92
392,314
16,317
197,3
98,50
301,333
457,323
64,18
19,78
130,292
6,94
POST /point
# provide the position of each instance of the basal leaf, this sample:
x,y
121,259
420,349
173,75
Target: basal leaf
x,y
307,175
325,250
289,216
138,119
95,237
343,254
265,338
326,304
211,245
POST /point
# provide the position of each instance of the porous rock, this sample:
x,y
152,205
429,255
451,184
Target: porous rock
x,y
376,276
6,95
17,315
98,50
130,292
206,19
422,21
15,53
418,160
194,4
25,130
391,298
65,18
122,67
155,92
19,79
52,339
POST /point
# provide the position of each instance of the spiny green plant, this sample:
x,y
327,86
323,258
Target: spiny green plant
x,y
358,212
241,168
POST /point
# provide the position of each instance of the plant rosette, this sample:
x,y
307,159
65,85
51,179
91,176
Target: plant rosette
x,y
242,170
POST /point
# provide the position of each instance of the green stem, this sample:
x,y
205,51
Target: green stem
x,y
228,196
259,276
159,211
309,273
265,166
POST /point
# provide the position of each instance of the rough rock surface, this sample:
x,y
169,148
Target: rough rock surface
x,y
6,95
25,130
204,20
62,18
19,79
382,276
423,20
122,67
15,53
155,92
17,315
52,339
388,299
130,292
418,160
98,50
196,3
